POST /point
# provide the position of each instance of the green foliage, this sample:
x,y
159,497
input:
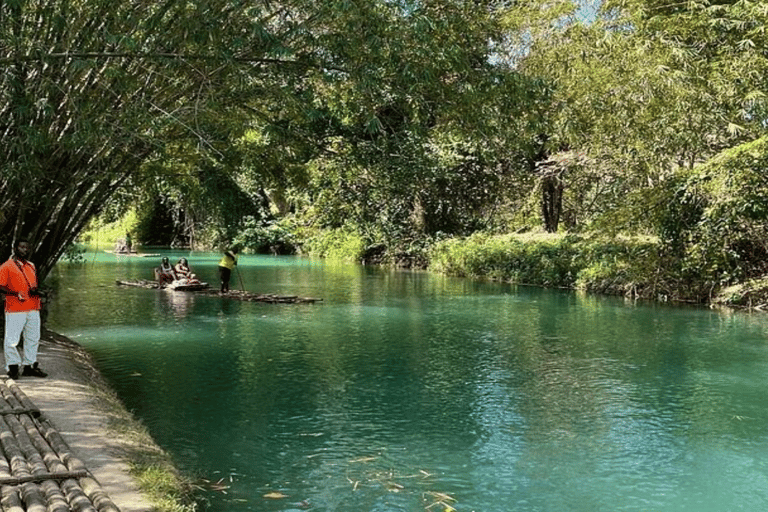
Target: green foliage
x,y
164,487
179,98
719,226
749,294
268,237
418,134
189,201
336,244
379,127
155,224
103,235
646,88
73,253
620,266
617,265
548,260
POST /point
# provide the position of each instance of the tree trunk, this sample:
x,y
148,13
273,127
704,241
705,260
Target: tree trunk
x,y
551,202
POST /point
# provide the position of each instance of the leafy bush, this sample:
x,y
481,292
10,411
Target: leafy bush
x,y
719,226
266,237
619,266
625,266
104,234
547,260
752,293
335,244
73,253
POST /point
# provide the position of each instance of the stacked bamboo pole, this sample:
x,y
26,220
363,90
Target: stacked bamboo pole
x,y
38,471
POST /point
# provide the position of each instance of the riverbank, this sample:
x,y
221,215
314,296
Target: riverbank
x,y
634,267
83,409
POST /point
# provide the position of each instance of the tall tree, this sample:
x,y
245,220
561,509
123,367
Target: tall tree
x,y
91,90
429,149
646,88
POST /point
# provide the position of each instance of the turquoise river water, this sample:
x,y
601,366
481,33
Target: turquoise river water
x,y
405,391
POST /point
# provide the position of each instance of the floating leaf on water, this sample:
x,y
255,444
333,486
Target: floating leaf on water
x,y
442,496
363,459
443,500
275,495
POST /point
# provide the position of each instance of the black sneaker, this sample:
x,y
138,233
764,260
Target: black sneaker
x,y
13,371
33,371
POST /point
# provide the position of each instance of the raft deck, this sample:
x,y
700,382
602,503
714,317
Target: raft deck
x,y
134,254
232,294
154,285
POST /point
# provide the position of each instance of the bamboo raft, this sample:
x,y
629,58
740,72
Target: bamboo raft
x,y
232,294
154,285
261,297
134,254
38,471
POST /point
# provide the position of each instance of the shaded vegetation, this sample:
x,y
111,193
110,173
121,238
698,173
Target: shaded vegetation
x,y
613,266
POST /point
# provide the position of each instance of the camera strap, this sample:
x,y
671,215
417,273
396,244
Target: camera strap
x,y
21,269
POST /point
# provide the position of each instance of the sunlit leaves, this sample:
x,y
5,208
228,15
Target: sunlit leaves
x,y
650,87
93,93
717,224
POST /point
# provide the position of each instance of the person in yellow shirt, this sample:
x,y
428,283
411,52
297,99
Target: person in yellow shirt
x,y
227,263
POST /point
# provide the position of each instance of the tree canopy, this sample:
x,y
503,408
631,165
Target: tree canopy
x,y
395,120
94,91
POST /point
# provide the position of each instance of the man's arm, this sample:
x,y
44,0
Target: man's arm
x,y
4,282
7,291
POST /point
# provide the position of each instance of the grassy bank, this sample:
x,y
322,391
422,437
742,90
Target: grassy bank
x,y
630,266
150,466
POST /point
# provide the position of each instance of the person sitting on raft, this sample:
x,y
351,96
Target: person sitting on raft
x,y
165,273
184,273
121,247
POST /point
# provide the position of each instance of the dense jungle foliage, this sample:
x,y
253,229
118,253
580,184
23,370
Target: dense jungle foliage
x,y
617,146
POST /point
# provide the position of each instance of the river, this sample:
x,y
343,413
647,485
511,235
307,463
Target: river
x,y
406,391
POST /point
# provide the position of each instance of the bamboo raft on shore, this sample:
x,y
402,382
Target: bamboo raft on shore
x,y
37,468
232,294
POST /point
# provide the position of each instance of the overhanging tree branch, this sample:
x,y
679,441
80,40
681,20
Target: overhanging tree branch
x,y
42,57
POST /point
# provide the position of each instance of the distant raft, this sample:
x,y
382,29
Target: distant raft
x,y
134,254
232,294
262,297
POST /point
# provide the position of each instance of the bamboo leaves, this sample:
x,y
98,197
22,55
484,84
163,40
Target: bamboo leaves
x,y
90,90
94,94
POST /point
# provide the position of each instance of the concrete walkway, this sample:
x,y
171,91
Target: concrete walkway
x,y
68,400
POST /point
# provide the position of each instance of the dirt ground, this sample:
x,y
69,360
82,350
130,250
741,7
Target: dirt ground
x,y
70,399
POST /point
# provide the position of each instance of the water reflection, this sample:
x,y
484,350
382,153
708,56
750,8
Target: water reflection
x,y
405,391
